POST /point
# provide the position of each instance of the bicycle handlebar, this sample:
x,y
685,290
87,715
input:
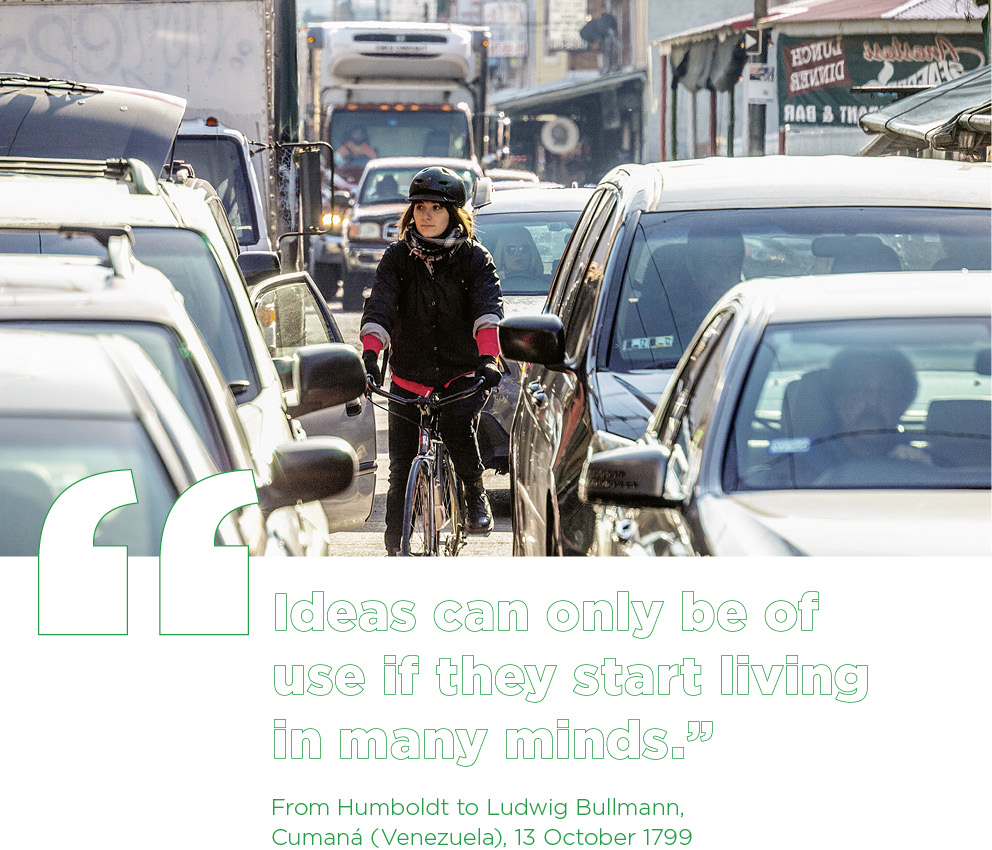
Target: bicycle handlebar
x,y
424,401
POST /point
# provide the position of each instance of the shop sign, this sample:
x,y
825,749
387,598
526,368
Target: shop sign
x,y
817,75
507,23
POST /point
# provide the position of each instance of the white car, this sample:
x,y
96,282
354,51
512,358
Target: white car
x,y
184,233
116,295
844,415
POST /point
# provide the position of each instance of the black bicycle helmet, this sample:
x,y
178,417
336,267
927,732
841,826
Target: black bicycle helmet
x,y
437,183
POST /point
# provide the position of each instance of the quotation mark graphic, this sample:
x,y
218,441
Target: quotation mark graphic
x,y
699,730
203,588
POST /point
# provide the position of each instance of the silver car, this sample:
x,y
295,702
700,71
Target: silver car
x,y
815,416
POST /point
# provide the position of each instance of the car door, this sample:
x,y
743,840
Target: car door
x,y
683,428
292,314
553,402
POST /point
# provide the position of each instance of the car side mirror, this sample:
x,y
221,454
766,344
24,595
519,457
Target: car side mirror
x,y
633,476
534,339
326,375
483,193
308,470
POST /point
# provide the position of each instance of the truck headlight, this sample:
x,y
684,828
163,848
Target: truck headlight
x,y
365,230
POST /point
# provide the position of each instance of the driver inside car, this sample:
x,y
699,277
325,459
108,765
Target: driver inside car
x,y
871,390
517,256
357,150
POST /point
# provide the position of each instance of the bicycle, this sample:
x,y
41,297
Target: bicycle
x,y
433,520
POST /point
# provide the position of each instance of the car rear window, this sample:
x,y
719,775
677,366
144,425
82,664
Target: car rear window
x,y
682,262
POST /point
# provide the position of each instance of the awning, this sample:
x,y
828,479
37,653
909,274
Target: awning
x,y
545,98
936,118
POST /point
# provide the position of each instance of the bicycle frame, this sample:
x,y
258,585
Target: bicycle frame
x,y
433,491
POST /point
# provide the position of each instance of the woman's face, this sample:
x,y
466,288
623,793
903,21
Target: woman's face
x,y
516,256
431,218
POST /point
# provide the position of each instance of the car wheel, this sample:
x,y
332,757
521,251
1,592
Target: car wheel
x,y
327,276
353,293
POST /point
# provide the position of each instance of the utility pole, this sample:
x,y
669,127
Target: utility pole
x,y
756,111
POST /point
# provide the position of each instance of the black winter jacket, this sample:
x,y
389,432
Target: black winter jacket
x,y
430,320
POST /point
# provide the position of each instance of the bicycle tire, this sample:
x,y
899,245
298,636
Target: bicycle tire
x,y
453,534
420,536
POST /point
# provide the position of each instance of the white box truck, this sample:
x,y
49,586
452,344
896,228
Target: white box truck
x,y
233,61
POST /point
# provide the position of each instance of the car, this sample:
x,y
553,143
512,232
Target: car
x,y
543,220
72,406
511,175
811,416
182,230
119,296
380,199
654,249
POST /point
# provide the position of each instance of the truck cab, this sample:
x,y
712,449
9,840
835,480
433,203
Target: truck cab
x,y
221,156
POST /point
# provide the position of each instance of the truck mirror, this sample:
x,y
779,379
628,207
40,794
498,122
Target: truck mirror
x,y
311,202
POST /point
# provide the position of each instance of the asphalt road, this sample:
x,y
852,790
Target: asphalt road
x,y
368,541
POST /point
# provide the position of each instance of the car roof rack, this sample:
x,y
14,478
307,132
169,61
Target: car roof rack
x,y
132,170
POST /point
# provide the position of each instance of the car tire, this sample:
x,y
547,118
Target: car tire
x,y
353,293
327,276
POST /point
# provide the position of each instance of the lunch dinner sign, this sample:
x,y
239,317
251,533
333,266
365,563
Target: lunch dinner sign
x,y
816,75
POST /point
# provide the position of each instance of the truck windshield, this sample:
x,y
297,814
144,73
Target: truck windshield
x,y
365,134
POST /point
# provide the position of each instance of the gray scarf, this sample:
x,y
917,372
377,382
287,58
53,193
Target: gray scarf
x,y
429,249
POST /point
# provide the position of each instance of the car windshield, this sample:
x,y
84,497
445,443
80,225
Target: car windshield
x,y
217,160
681,263
184,257
41,457
526,247
171,358
392,185
865,404
398,133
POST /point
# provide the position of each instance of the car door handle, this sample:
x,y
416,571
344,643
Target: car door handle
x,y
353,408
537,393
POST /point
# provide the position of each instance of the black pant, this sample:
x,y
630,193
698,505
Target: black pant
x,y
459,422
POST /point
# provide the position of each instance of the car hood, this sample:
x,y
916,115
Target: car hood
x,y
626,401
368,211
56,119
849,522
522,305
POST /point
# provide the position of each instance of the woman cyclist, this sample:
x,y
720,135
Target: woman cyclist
x,y
435,304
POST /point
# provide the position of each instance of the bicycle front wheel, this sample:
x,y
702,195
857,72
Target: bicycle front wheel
x,y
452,535
419,531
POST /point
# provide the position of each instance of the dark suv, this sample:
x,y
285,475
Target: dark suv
x,y
655,247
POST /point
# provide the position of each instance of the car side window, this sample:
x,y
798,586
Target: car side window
x,y
579,236
290,318
685,424
582,294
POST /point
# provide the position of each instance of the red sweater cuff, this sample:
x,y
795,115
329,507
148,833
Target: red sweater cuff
x,y
487,340
371,343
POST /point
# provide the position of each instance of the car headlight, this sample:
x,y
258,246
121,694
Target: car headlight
x,y
333,222
365,230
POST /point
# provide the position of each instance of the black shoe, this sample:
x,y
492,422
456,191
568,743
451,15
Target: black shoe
x,y
478,513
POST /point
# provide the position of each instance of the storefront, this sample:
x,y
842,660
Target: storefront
x,y
577,130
